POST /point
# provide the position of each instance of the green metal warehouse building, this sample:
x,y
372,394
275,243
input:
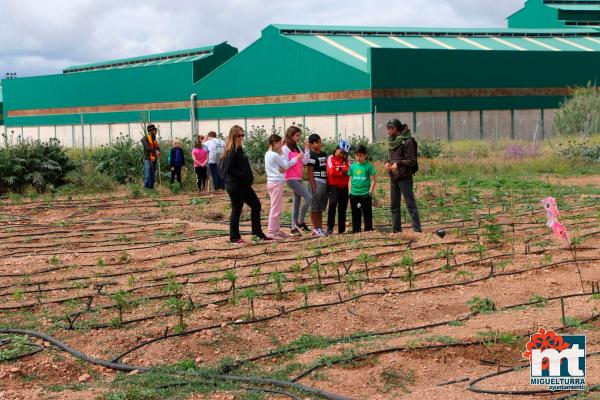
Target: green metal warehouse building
x,y
339,81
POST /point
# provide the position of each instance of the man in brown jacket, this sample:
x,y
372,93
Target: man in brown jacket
x,y
401,165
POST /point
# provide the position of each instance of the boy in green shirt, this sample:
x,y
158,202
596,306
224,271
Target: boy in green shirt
x,y
361,186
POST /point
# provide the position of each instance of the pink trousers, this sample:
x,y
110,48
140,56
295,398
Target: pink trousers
x,y
276,195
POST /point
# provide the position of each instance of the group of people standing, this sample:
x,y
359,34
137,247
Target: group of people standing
x,y
333,181
205,154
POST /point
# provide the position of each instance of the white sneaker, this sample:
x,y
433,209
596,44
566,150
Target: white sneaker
x,y
318,232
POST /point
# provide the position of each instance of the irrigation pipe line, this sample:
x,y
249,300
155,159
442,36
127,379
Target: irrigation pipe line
x,y
354,337
126,367
323,305
473,388
37,349
432,347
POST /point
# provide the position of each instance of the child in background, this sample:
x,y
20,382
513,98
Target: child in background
x,y
275,166
317,183
176,162
200,156
293,179
337,181
362,184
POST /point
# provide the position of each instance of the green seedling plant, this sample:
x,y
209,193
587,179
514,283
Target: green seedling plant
x,y
480,249
538,301
55,261
231,277
305,290
250,294
213,281
366,259
408,263
353,281
481,305
315,271
122,300
278,278
175,303
124,257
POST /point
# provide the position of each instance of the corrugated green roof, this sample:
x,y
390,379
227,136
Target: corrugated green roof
x,y
352,45
420,31
575,7
171,57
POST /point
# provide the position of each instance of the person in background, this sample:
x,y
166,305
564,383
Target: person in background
x,y
317,183
151,154
176,162
293,179
200,157
401,165
361,186
275,166
235,168
337,186
215,147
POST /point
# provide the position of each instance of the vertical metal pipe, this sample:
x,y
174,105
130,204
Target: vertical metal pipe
x,y
449,122
543,123
193,116
481,134
82,135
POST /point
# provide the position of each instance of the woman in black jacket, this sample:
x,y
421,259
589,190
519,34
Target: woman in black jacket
x,y
235,168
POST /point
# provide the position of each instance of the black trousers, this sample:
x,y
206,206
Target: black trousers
x,y
176,174
362,206
240,195
201,177
338,200
399,189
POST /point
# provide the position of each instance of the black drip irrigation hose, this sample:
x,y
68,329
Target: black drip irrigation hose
x,y
473,388
37,349
350,338
321,305
127,367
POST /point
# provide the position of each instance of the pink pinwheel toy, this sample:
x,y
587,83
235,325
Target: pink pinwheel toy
x,y
552,214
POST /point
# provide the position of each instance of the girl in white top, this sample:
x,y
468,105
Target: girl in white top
x,y
275,166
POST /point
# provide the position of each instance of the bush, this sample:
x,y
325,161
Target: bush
x,y
584,151
32,163
579,114
122,160
86,179
515,151
256,144
430,148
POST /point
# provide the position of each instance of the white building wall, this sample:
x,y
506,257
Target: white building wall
x,y
465,126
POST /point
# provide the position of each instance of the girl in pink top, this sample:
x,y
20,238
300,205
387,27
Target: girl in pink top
x,y
200,156
293,179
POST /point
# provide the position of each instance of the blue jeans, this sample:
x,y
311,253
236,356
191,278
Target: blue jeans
x,y
149,174
217,182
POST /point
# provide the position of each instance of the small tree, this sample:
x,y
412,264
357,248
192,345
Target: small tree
x,y
175,302
579,115
278,278
231,276
250,295
122,300
365,259
305,290
408,263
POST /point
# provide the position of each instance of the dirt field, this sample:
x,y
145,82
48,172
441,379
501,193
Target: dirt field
x,y
369,316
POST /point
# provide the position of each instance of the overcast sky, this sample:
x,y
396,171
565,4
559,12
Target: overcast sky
x,y
44,36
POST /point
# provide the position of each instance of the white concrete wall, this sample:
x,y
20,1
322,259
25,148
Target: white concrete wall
x,y
432,125
465,125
